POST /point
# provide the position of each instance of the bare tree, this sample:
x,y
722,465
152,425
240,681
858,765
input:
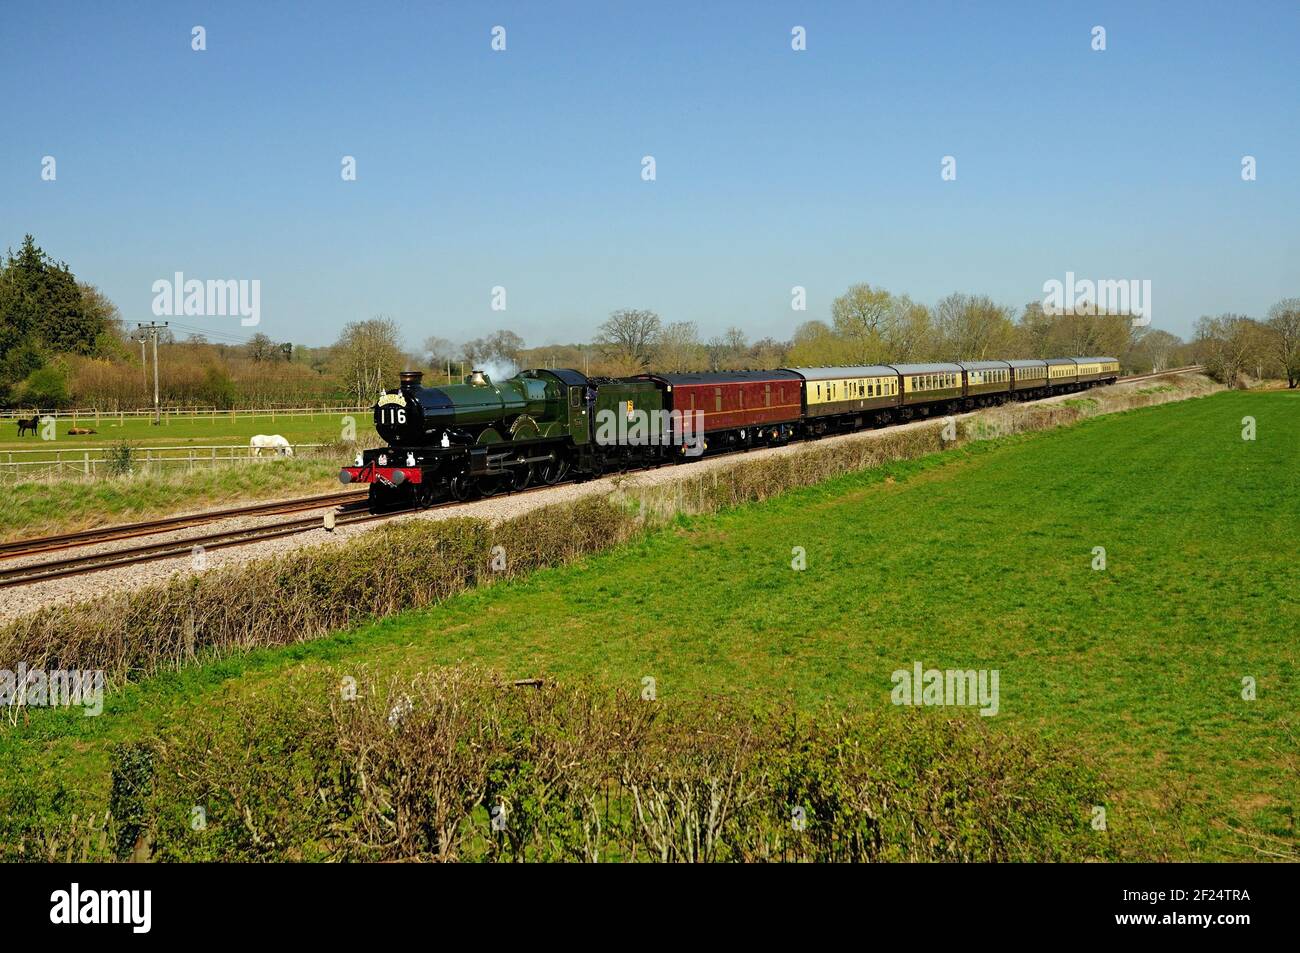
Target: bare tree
x,y
628,337
1284,323
728,351
972,328
677,348
909,333
1228,345
369,354
438,351
261,348
859,316
1158,347
1034,331
500,347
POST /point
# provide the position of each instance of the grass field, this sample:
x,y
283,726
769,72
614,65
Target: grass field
x,y
982,558
36,509
216,430
62,504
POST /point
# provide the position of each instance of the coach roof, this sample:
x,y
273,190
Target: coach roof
x,y
723,377
840,373
927,368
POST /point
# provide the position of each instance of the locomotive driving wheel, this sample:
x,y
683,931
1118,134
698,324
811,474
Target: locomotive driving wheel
x,y
426,495
522,477
462,487
553,471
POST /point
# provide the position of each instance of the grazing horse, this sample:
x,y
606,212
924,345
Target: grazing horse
x,y
274,443
26,425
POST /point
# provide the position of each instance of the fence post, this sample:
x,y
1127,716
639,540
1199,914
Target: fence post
x,y
87,458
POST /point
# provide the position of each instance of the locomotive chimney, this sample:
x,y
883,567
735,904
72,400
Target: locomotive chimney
x,y
410,378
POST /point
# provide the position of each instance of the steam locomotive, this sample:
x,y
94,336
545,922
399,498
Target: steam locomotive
x,y
478,438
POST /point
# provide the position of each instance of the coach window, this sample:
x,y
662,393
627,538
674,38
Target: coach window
x,y
767,395
717,398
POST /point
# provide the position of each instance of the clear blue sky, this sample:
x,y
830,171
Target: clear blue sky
x,y
775,168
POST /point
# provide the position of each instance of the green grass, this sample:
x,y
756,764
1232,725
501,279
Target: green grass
x,y
216,430
33,509
41,506
979,558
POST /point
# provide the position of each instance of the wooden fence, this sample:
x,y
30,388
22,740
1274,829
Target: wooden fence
x,y
84,462
180,413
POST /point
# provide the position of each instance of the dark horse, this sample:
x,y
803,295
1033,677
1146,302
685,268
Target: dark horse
x,y
26,425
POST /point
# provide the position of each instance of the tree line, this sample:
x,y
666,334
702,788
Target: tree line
x,y
63,342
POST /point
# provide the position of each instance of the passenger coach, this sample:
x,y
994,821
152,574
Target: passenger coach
x,y
925,385
986,381
1092,369
738,407
846,397
1028,379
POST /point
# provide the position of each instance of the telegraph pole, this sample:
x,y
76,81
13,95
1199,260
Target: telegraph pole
x,y
151,329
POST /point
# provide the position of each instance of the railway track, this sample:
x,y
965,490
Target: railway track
x,y
347,513
108,534
1189,369
177,548
79,565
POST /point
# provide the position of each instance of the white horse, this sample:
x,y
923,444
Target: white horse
x,y
273,442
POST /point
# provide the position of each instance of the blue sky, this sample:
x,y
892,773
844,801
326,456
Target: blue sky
x,y
775,168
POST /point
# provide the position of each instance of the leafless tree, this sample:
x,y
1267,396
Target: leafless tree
x,y
1284,323
677,348
369,355
628,337
1228,345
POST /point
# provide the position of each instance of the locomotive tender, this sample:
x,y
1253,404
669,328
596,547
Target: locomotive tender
x,y
543,425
